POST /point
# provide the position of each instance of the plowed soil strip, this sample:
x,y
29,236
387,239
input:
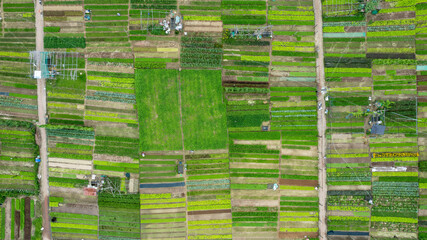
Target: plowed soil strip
x,y
27,226
209,212
293,182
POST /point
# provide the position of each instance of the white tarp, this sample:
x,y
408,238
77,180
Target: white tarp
x,y
37,74
389,169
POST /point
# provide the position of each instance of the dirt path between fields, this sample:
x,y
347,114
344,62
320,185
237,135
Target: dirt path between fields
x,y
41,102
7,225
321,118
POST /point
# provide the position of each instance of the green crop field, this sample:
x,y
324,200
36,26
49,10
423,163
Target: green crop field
x,y
203,110
158,111
183,133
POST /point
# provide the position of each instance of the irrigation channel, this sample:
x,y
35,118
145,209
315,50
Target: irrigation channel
x,y
321,118
41,106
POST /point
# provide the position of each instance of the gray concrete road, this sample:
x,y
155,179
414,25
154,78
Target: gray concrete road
x,y
321,118
41,101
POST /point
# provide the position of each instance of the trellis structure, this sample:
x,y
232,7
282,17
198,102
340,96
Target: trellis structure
x,y
341,7
52,64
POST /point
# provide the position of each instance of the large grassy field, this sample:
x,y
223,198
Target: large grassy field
x,y
203,110
158,112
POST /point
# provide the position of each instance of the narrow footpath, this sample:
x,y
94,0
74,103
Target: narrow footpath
x,y
321,118
41,102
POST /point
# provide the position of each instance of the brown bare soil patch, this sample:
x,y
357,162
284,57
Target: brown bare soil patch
x,y
354,29
17,223
229,78
284,38
354,79
209,216
27,228
251,203
383,164
299,235
112,158
406,71
203,29
54,13
387,16
292,182
172,65
78,208
63,8
350,160
110,68
350,187
209,212
163,190
110,55
15,90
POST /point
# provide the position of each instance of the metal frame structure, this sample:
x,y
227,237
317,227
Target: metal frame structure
x,y
242,31
151,14
54,64
111,187
336,7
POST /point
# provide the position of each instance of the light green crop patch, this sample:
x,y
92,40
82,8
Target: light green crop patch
x,y
394,219
76,226
256,58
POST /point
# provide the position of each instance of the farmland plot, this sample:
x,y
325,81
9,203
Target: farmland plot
x,y
70,153
18,151
200,51
158,110
107,31
208,196
349,182
160,169
293,113
116,154
112,89
203,119
162,198
70,165
64,25
201,16
345,53
17,90
24,222
245,59
66,100
421,116
119,216
163,215
153,49
348,166
252,167
73,225
394,158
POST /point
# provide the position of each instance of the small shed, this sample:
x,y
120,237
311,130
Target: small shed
x,y
180,168
37,74
378,129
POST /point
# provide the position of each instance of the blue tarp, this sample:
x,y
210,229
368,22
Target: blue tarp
x,y
341,233
422,68
4,93
162,185
344,35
